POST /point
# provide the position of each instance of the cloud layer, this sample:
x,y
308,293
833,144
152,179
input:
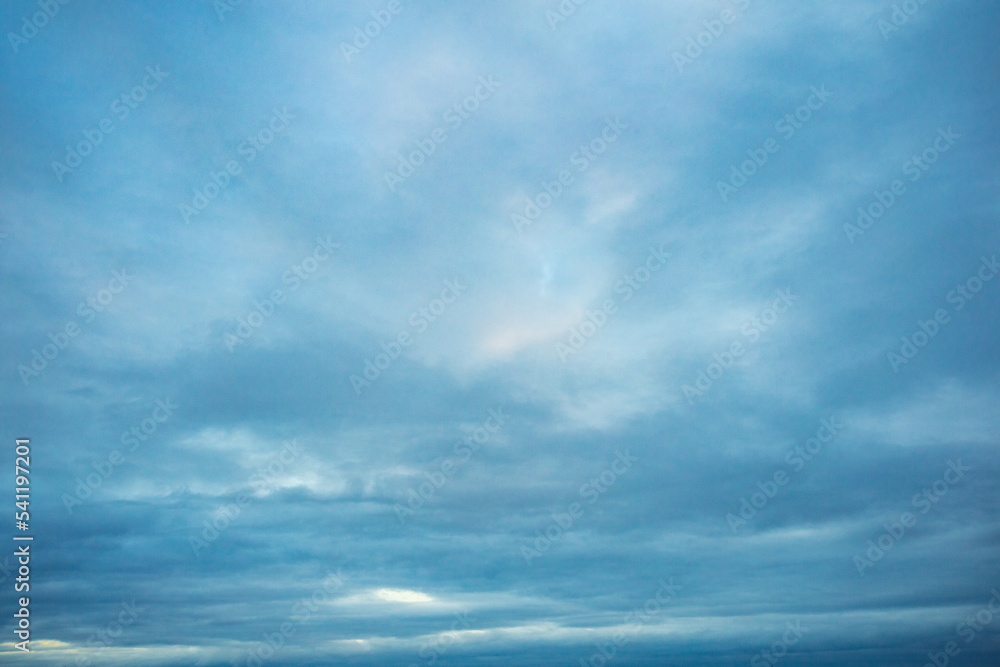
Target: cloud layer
x,y
409,333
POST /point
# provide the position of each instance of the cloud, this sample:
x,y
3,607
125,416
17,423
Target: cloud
x,y
274,426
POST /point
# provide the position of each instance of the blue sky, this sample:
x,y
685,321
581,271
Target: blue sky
x,y
506,333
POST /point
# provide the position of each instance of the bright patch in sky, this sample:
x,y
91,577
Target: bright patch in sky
x,y
402,595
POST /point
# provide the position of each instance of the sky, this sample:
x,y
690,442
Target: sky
x,y
524,333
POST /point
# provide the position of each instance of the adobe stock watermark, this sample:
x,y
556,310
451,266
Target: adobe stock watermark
x,y
560,524
789,124
962,294
915,168
249,149
594,321
87,309
362,38
901,13
136,435
565,9
106,637
751,330
262,311
260,482
779,649
431,650
109,634
797,459
223,7
582,158
968,629
122,106
464,450
420,320
454,117
713,30
923,501
634,620
40,19
301,612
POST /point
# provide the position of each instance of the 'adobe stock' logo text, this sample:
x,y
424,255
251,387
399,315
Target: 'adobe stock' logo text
x,y
923,501
592,491
752,330
446,469
797,459
87,309
420,319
